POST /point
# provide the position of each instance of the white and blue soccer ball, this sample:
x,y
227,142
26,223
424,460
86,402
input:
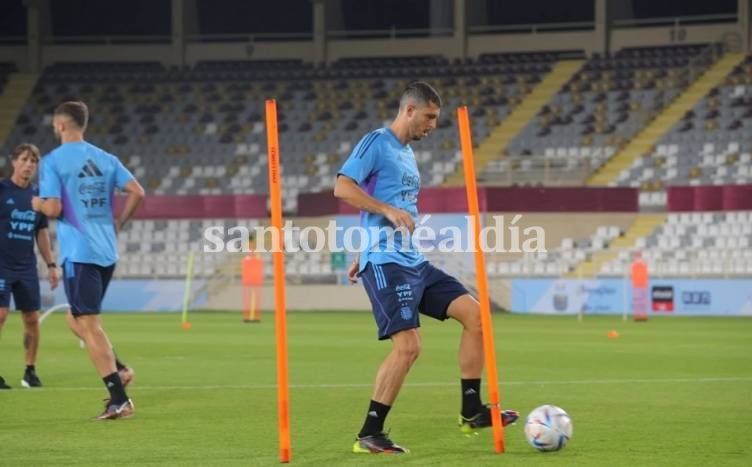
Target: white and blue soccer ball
x,y
548,428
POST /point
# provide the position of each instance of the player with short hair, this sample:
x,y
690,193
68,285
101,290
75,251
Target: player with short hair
x,y
77,185
19,227
381,179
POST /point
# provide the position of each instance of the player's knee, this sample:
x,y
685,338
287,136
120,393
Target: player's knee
x,y
409,354
89,325
31,320
71,320
469,315
409,351
474,324
470,321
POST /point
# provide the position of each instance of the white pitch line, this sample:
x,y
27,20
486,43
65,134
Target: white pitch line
x,y
427,384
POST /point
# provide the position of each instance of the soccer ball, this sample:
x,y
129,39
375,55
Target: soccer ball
x,y
548,428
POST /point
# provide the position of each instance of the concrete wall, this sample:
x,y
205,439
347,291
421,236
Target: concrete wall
x,y
195,52
106,53
544,41
644,37
339,48
15,54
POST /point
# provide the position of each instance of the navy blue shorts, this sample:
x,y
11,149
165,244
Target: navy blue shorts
x,y
85,286
23,286
399,293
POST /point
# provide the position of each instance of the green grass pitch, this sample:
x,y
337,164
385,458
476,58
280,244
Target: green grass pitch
x,y
672,391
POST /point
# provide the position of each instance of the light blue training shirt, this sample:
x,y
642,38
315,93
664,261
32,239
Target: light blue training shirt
x,y
386,169
84,178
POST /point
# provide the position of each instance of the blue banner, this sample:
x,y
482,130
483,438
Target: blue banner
x,y
701,297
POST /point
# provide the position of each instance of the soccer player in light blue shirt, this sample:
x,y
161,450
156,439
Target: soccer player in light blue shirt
x,y
381,179
77,185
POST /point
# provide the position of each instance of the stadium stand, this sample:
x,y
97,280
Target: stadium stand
x,y
558,261
200,131
195,131
608,101
594,114
709,146
694,244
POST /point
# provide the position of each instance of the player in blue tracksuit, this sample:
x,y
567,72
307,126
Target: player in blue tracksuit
x,y
20,226
77,183
381,179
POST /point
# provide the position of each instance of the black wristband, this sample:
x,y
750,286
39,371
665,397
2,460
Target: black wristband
x,y
51,265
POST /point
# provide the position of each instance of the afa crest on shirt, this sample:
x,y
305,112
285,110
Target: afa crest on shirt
x,y
406,312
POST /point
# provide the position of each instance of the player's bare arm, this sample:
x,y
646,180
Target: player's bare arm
x,y
347,190
43,242
50,207
352,270
135,195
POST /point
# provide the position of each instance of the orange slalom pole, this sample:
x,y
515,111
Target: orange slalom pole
x,y
280,315
480,271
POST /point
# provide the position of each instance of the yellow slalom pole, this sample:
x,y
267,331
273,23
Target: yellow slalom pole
x,y
480,272
185,324
278,254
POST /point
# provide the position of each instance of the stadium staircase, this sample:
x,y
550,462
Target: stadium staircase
x,y
491,147
644,224
15,94
644,141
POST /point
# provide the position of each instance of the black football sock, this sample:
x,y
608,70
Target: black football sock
x,y
118,364
115,387
374,423
471,404
31,368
